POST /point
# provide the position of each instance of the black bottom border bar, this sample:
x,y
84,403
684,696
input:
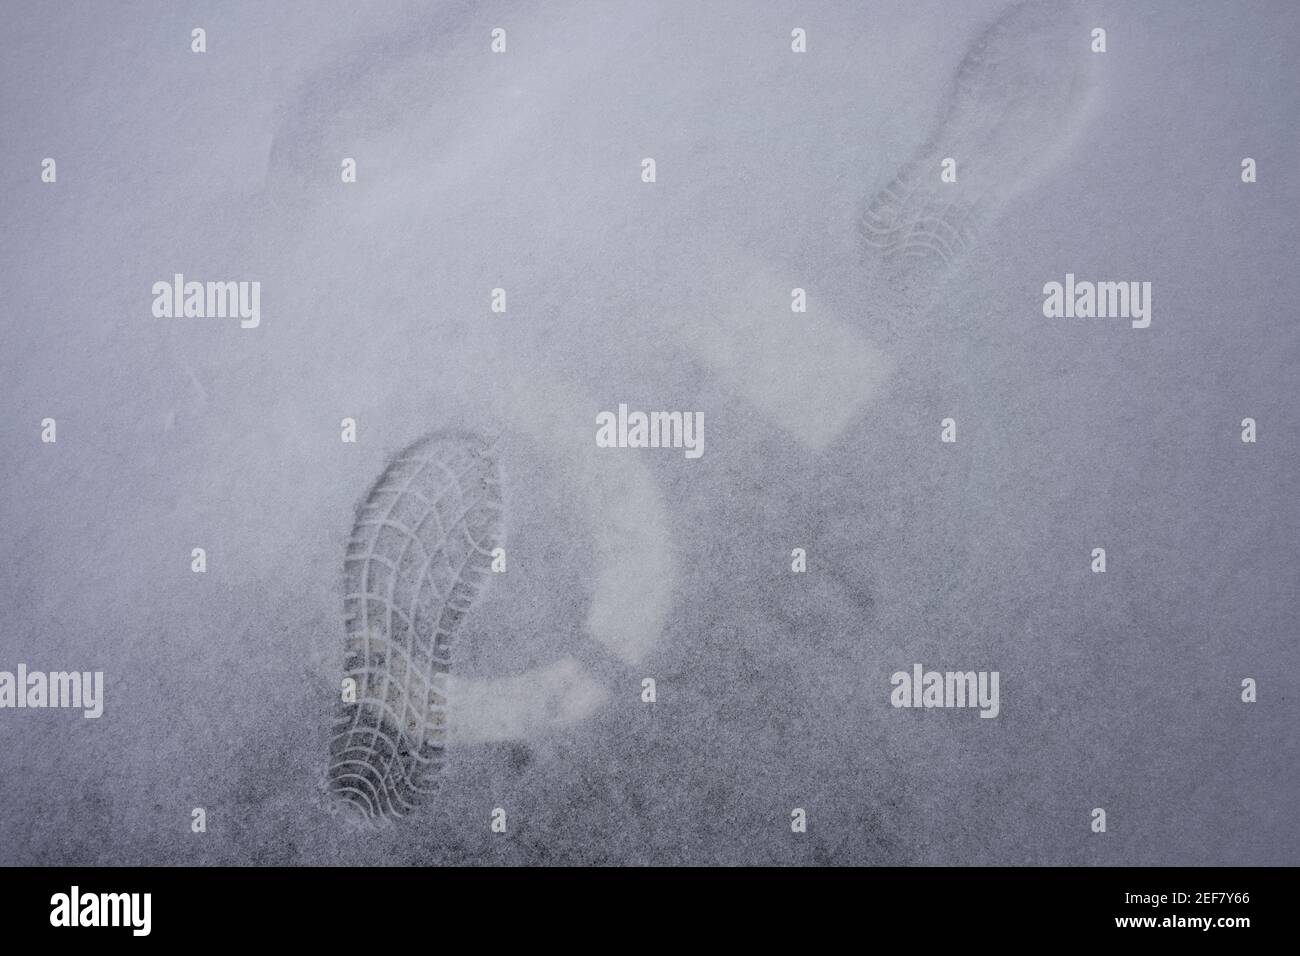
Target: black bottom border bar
x,y
348,905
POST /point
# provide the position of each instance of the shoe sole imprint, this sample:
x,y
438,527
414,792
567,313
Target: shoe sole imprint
x,y
419,558
1017,98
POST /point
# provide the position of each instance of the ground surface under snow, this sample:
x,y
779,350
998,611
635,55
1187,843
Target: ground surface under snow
x,y
521,171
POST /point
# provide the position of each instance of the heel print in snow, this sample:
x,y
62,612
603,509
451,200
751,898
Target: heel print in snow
x,y
419,557
1017,98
